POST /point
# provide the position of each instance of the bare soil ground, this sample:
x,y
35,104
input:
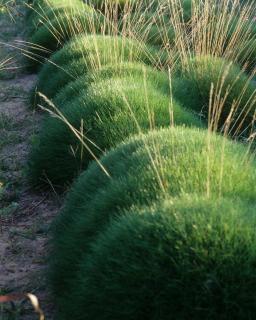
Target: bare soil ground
x,y
25,216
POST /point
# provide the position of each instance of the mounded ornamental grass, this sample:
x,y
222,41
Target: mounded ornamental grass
x,y
164,164
127,69
108,112
219,90
65,24
53,34
185,259
39,6
86,54
44,15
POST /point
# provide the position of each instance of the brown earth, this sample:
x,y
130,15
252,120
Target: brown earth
x,y
25,216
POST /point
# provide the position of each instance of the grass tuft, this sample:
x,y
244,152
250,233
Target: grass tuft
x,y
192,258
164,164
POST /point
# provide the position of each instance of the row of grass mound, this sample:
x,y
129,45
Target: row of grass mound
x,y
52,23
125,69
108,111
166,164
233,95
85,54
160,223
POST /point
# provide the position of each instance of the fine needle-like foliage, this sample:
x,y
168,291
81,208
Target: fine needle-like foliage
x,y
52,28
86,54
121,70
191,258
103,115
164,164
219,90
160,224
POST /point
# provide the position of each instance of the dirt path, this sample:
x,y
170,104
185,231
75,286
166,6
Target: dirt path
x,y
24,216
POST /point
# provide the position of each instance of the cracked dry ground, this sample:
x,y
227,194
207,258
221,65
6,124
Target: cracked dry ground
x,y
25,216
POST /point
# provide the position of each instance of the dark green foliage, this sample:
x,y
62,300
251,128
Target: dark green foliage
x,y
231,88
110,110
126,69
247,55
187,259
148,168
127,5
52,34
88,53
44,15
153,29
39,6
160,35
187,9
36,5
141,6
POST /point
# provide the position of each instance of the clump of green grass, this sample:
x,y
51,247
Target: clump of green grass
x,y
59,22
60,26
46,14
192,258
221,91
101,117
126,69
86,54
164,164
35,7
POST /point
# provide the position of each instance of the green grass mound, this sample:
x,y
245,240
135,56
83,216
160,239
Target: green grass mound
x,y
38,6
44,15
148,168
126,69
88,53
184,259
233,99
53,34
108,112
